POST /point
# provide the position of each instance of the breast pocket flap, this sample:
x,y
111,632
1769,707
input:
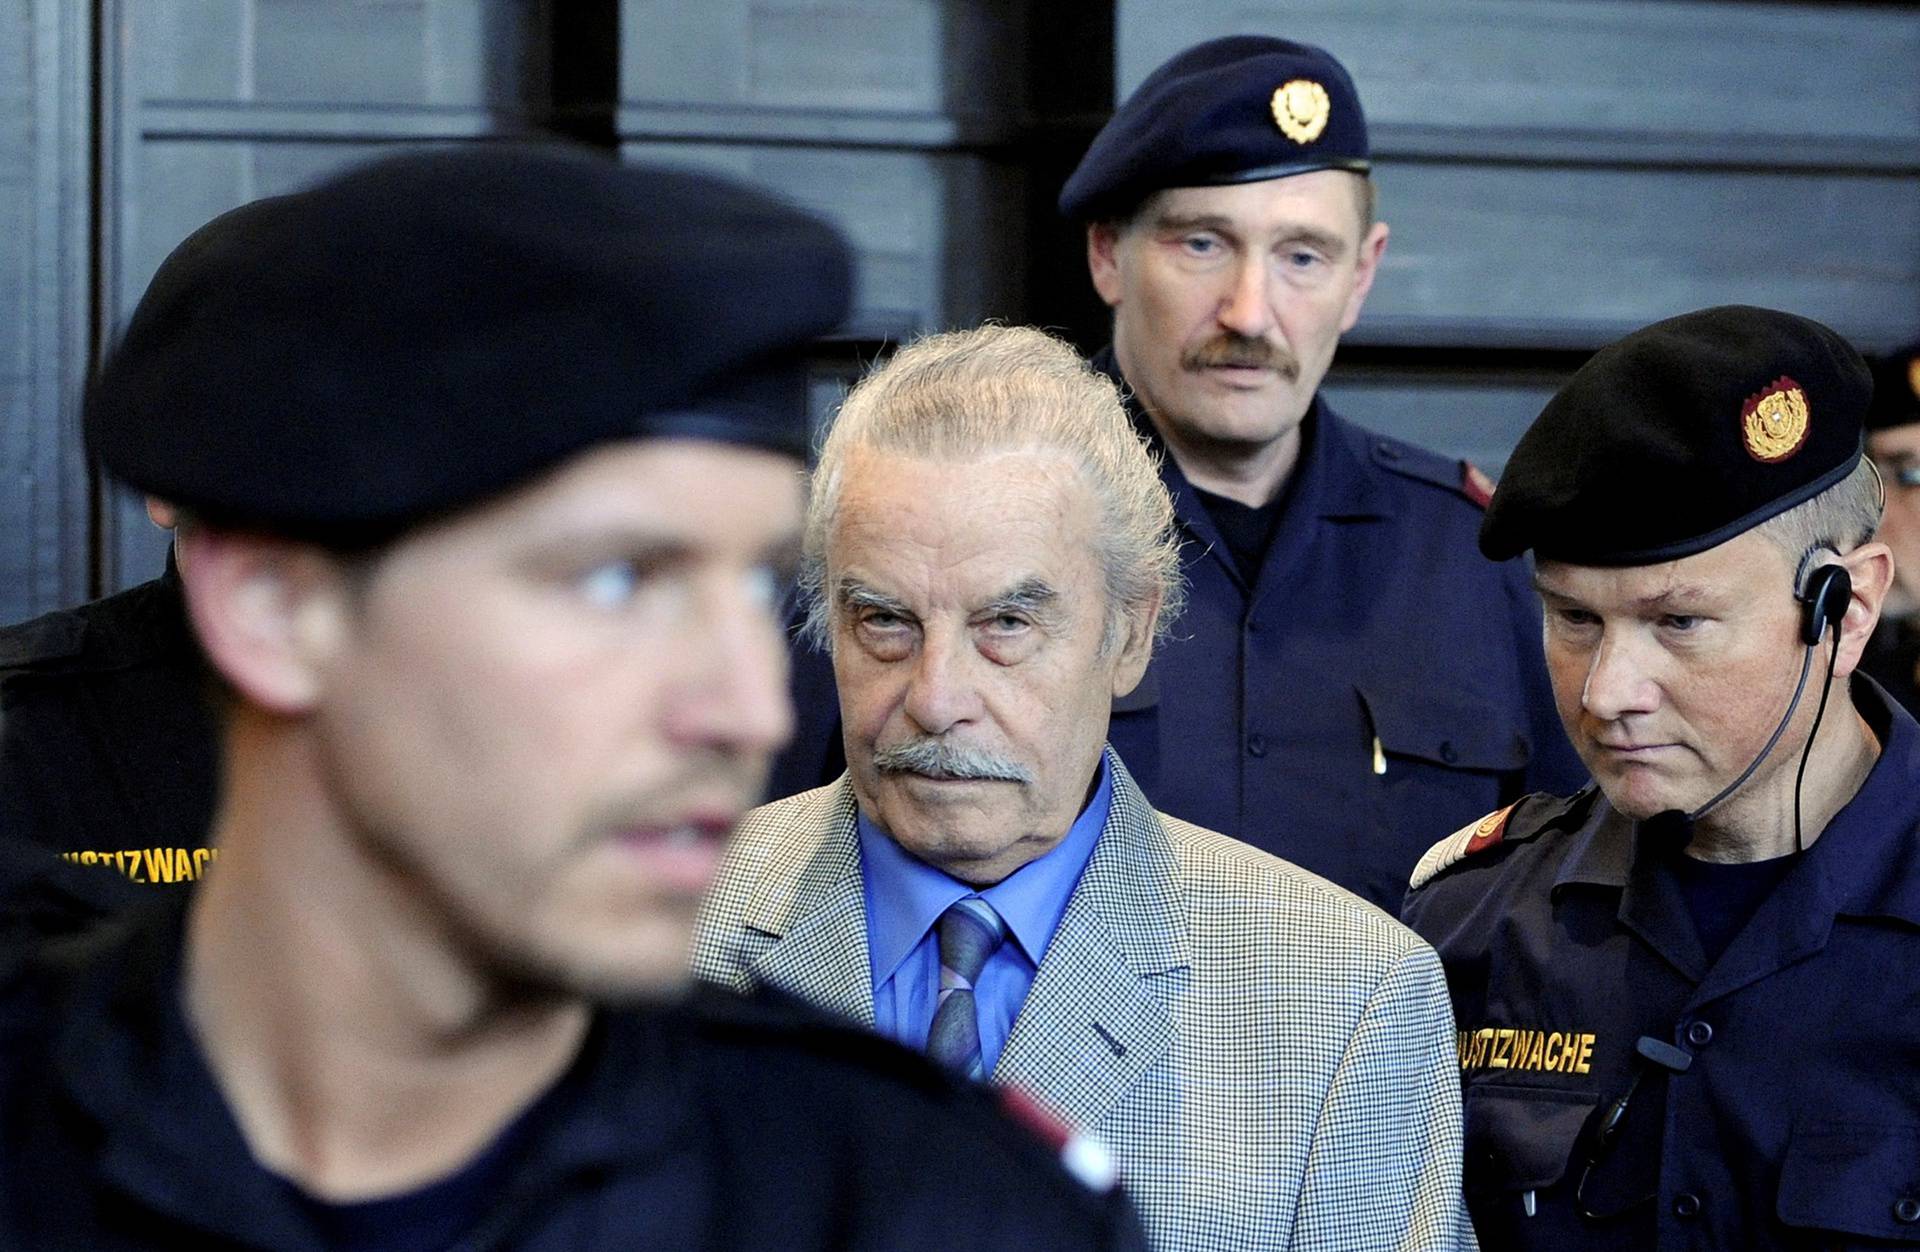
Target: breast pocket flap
x,y
1522,1138
1853,1178
1451,731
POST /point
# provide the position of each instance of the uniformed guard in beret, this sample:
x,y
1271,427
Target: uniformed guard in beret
x,y
491,459
1688,995
1349,671
1893,441
108,751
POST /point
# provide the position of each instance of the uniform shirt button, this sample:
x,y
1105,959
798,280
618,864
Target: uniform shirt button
x,y
1906,1210
1447,753
1253,625
1257,745
1686,1206
1699,1034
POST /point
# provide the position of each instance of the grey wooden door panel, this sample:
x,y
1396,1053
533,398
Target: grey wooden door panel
x,y
335,52
44,215
935,232
1568,256
1723,71
952,58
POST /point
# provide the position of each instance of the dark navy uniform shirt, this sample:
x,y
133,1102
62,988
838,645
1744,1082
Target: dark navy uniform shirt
x,y
1786,1113
722,1124
1378,684
108,757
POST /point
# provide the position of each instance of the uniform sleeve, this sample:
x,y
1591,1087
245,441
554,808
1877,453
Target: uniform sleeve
x,y
1554,766
1383,1174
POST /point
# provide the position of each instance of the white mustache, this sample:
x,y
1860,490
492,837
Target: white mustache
x,y
941,758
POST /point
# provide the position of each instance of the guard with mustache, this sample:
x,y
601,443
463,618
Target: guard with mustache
x,y
991,561
1352,678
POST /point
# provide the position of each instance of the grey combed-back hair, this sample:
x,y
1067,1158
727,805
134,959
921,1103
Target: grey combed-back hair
x,y
971,393
1841,518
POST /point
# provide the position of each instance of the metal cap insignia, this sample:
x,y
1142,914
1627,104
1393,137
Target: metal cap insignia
x,y
1300,109
1774,420
1913,376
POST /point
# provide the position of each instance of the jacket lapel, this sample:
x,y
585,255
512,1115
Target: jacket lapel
x,y
1097,1017
808,902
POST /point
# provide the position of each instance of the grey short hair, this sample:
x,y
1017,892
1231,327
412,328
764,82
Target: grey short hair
x,y
964,394
1841,518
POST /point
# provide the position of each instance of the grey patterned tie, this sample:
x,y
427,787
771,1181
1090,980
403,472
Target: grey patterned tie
x,y
969,933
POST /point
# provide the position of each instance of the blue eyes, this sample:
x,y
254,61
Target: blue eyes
x,y
615,585
610,585
764,587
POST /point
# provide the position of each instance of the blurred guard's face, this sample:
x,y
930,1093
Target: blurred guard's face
x,y
1896,451
969,611
1229,301
547,712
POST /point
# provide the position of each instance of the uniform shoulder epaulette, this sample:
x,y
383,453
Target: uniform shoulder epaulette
x,y
1537,813
1426,466
1475,485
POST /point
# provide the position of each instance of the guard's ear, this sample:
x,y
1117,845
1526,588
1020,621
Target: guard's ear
x,y
1373,246
269,613
1870,569
1103,260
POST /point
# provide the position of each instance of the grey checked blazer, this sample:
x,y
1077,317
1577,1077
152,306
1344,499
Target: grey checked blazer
x,y
1271,1059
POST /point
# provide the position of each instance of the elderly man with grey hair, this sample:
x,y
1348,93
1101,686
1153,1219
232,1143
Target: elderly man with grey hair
x,y
991,560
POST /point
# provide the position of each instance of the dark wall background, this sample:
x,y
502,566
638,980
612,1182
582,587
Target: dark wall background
x,y
1555,171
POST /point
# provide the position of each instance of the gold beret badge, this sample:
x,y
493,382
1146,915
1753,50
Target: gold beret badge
x,y
1913,376
1300,109
1774,420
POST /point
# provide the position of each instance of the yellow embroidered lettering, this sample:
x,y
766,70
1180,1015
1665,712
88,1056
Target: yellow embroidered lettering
x,y
1583,1065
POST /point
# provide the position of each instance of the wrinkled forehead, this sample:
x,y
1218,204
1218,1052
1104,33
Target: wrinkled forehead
x,y
1328,199
965,524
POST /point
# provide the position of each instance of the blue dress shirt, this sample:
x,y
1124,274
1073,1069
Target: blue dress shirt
x,y
905,897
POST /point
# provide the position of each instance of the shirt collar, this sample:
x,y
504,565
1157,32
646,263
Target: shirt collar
x,y
1869,852
906,896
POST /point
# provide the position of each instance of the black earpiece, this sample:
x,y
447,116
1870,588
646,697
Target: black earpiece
x,y
1829,590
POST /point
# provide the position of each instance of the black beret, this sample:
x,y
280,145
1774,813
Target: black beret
x,y
1896,389
1681,436
1232,110
426,331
